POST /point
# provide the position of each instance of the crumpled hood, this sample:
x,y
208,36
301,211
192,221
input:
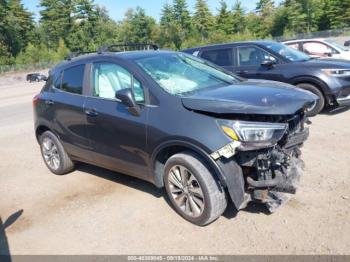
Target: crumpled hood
x,y
251,97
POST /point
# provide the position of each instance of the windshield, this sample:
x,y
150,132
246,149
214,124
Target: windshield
x,y
179,73
335,44
287,52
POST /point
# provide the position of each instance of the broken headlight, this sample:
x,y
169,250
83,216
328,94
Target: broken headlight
x,y
254,133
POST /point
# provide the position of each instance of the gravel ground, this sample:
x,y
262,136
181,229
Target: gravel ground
x,y
95,211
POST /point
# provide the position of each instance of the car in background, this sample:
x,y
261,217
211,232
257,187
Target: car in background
x,y
347,43
328,79
36,77
320,48
173,120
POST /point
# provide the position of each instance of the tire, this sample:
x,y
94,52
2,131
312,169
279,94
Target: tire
x,y
200,180
321,102
54,156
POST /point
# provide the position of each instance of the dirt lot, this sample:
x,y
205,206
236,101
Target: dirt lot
x,y
95,211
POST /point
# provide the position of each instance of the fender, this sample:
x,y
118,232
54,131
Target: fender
x,y
227,170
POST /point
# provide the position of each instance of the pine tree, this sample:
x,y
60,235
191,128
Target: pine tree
x,y
83,29
137,26
167,24
238,18
106,29
19,25
182,15
202,19
167,15
56,20
224,19
264,18
3,29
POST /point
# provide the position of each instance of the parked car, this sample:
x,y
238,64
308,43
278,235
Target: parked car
x,y
178,122
328,79
320,48
36,77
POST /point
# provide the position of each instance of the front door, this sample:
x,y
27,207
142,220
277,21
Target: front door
x,y
118,137
249,64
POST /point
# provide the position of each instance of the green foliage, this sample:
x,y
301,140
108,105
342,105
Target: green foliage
x,y
56,20
224,19
137,27
238,18
203,19
338,13
82,25
17,25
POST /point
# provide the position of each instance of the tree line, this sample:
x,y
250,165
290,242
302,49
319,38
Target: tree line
x,y
65,25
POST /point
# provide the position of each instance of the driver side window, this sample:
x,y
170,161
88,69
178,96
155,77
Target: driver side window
x,y
251,55
109,78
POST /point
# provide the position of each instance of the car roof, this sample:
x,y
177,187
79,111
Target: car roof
x,y
127,55
232,44
301,40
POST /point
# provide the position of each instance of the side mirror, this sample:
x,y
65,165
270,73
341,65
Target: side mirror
x,y
328,54
127,98
268,63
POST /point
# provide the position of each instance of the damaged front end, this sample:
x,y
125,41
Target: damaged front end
x,y
268,158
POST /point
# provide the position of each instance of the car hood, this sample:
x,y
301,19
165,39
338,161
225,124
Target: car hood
x,y
327,63
250,97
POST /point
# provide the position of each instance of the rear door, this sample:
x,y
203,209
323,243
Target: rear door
x,y
118,137
249,60
223,57
64,105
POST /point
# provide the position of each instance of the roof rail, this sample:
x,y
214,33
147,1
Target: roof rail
x,y
74,54
126,47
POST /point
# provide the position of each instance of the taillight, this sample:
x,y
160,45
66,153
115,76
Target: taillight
x,y
36,100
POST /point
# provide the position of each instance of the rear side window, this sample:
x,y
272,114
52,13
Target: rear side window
x,y
72,80
293,45
221,57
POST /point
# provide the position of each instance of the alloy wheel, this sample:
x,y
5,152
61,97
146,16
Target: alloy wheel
x,y
186,191
50,153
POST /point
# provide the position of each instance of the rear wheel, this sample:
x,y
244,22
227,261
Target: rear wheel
x,y
54,155
318,106
192,189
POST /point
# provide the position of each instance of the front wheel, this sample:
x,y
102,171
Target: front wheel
x,y
192,189
318,106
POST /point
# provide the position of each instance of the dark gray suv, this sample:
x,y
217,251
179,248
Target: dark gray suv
x,y
329,79
178,122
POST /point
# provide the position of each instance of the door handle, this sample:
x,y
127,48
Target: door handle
x,y
49,102
91,112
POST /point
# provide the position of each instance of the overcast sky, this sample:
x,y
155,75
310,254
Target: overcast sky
x,y
117,8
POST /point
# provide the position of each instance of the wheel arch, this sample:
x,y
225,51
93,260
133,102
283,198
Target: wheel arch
x,y
322,86
226,171
39,130
167,149
42,128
